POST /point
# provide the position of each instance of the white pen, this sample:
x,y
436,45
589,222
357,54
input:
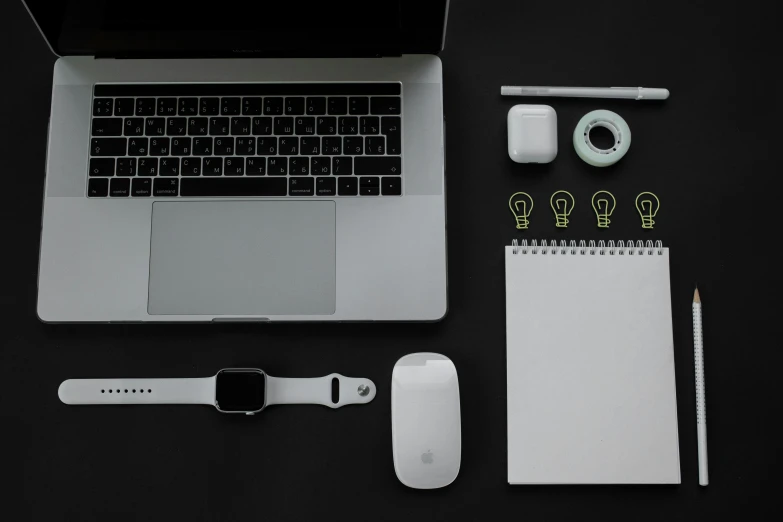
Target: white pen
x,y
701,414
628,93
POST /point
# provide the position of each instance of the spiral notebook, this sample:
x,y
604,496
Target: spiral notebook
x,y
590,356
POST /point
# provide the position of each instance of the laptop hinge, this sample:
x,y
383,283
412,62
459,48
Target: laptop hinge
x,y
233,54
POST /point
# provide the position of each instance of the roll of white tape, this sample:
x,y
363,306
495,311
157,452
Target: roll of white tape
x,y
591,154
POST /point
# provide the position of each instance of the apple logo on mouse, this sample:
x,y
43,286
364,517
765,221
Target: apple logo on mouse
x,y
427,457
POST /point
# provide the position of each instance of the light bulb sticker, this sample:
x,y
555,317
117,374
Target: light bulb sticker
x,y
647,204
521,204
562,203
603,204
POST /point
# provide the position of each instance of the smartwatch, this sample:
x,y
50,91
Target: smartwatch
x,y
232,390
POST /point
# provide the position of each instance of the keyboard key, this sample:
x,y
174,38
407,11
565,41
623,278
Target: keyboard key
x,y
245,146
229,106
325,187
134,126
385,105
177,126
348,125
155,126
256,166
391,186
108,146
277,166
202,146
224,146
294,106
347,186
240,126
385,166
102,106
354,145
251,106
159,146
338,105
304,125
169,166
298,166
359,105
191,166
266,146
101,166
141,188
138,146
369,186
390,126
119,188
321,166
219,126
167,106
284,126
342,166
188,106
332,145
262,126
198,126
98,188
369,125
326,125
273,106
235,167
376,146
148,167
180,146
289,146
227,187
126,166
145,106
213,166
165,187
209,106
300,187
316,106
124,106
311,146
107,126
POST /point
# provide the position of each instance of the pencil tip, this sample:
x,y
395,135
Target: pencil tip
x,y
696,297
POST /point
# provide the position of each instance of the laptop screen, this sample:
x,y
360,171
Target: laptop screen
x,y
149,28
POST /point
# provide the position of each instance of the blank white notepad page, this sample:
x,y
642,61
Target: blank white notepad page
x,y
591,390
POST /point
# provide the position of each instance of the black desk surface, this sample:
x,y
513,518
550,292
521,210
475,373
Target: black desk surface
x,y
707,152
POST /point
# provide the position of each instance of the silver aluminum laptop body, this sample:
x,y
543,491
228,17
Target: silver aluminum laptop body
x,y
197,259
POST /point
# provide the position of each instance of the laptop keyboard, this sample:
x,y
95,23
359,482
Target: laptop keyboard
x,y
246,140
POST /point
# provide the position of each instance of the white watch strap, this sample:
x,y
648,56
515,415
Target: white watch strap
x,y
318,390
138,391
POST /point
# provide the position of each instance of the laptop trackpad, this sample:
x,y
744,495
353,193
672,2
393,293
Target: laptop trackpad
x,y
242,258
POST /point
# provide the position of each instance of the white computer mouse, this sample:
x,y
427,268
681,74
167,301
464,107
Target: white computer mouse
x,y
426,427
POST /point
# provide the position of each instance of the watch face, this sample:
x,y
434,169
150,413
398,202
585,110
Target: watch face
x,y
240,390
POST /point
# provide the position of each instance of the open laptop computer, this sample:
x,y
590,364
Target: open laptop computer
x,y
245,160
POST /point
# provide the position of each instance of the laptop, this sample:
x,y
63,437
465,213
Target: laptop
x,y
244,161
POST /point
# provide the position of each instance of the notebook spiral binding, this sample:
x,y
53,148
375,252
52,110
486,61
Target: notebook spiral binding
x,y
588,248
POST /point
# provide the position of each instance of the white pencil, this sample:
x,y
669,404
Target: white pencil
x,y
628,93
701,413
